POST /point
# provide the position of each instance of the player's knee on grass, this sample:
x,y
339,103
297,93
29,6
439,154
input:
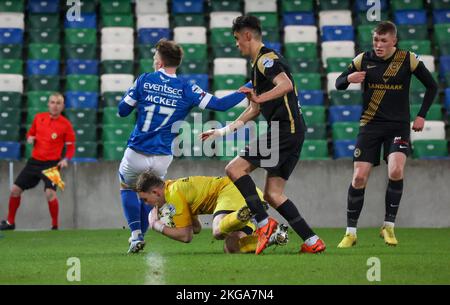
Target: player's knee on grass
x,y
16,191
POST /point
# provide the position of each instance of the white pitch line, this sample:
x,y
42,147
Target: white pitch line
x,y
155,275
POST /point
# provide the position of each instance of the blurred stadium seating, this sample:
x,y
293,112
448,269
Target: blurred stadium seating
x,y
94,60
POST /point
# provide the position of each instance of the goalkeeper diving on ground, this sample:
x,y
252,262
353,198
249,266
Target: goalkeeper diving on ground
x,y
179,202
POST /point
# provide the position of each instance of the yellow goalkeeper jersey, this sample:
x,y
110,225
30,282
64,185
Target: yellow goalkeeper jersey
x,y
193,196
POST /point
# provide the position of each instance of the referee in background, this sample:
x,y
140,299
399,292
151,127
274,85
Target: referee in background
x,y
49,133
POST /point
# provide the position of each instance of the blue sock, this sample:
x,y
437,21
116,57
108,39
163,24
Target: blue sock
x,y
132,209
145,210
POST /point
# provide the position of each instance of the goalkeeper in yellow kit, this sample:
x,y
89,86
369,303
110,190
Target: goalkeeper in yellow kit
x,y
180,201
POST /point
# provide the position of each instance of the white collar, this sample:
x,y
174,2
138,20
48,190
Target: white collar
x,y
167,74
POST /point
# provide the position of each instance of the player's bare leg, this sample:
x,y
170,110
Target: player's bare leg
x,y
394,190
274,195
355,201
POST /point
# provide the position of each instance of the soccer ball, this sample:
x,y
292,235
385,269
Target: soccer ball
x,y
166,213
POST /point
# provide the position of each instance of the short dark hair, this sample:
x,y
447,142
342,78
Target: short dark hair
x,y
385,27
148,180
247,22
171,53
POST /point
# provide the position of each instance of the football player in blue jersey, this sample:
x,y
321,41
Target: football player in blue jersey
x,y
160,99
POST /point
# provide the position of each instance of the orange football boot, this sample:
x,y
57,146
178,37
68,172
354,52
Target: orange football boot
x,y
264,234
318,247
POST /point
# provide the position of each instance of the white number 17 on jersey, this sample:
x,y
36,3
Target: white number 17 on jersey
x,y
151,110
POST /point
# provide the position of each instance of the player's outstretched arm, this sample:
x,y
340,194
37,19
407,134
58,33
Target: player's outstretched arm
x,y
283,85
224,103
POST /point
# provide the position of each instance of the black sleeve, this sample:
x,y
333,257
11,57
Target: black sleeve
x,y
272,67
422,73
341,82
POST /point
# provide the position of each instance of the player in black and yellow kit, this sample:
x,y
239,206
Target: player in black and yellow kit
x,y
185,198
275,97
385,74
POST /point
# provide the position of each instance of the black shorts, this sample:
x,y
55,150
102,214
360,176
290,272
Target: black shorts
x,y
277,161
393,138
30,176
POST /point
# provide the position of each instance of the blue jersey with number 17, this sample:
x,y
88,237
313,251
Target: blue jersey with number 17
x,y
160,100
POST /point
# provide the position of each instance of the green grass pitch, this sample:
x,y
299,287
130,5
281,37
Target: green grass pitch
x,y
422,257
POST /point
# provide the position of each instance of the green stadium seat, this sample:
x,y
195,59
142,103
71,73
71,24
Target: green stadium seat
x,y
440,5
11,66
417,97
314,114
444,49
86,150
298,65
268,20
85,133
303,50
44,36
81,116
115,7
43,21
442,33
413,32
86,6
316,131
110,117
31,113
113,151
112,99
227,50
345,130
193,66
28,150
338,64
271,34
434,113
420,47
38,99
146,51
425,149
364,34
9,133
80,51
118,20
348,97
10,51
292,6
399,5
197,114
228,82
12,6
43,83
314,150
146,65
307,81
326,5
225,6
116,132
363,47
229,115
189,20
222,36
195,51
117,67
87,83
10,100
44,51
80,36
10,117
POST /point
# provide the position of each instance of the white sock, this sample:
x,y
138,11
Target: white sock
x,y
312,240
135,234
389,224
350,230
263,222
